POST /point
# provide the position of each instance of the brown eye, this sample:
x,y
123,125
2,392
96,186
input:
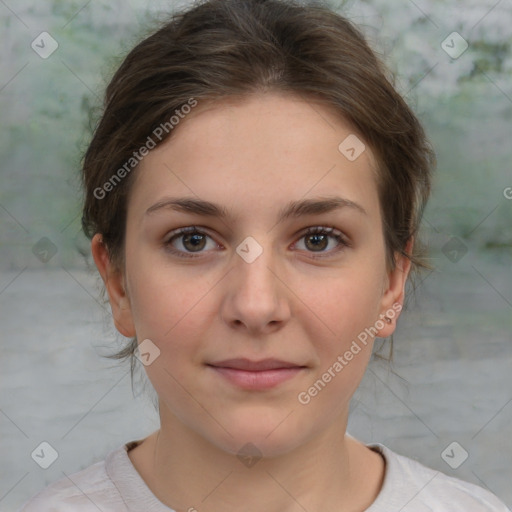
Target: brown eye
x,y
187,241
317,240
194,242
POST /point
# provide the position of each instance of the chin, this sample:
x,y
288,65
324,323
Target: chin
x,y
260,436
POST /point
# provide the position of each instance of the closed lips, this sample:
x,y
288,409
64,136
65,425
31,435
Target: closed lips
x,y
255,366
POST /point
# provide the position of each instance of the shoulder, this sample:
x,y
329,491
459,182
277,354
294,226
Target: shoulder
x,y
412,487
88,490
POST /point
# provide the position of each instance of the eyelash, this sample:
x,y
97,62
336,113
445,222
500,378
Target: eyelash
x,y
323,230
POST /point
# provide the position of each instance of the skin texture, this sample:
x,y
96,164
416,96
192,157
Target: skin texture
x,y
252,156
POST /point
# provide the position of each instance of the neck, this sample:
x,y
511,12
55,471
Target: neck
x,y
330,472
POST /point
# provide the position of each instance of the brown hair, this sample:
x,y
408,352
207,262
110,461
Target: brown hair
x,y
221,48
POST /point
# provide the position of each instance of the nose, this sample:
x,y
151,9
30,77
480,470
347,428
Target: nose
x,y
257,298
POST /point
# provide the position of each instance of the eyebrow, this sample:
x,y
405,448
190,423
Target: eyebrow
x,y
292,209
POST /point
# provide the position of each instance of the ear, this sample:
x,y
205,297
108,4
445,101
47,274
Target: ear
x,y
393,297
114,283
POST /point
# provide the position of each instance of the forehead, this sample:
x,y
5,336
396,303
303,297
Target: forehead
x,y
258,152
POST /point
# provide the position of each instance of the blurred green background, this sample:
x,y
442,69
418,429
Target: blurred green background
x,y
46,106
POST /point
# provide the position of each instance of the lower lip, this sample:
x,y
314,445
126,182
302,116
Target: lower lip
x,y
265,379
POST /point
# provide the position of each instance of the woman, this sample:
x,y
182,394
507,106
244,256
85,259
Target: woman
x,y
253,194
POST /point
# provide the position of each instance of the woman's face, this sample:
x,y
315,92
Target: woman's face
x,y
251,286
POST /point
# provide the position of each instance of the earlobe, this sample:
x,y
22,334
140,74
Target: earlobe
x,y
113,280
393,297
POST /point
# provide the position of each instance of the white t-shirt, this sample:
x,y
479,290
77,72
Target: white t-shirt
x,y
114,485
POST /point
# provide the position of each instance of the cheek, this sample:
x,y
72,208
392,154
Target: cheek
x,y
156,298
169,306
170,309
343,350
349,304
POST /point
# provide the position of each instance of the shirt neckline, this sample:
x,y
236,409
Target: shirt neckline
x,y
130,484
136,494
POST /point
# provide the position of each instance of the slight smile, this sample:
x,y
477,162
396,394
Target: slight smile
x,y
256,375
